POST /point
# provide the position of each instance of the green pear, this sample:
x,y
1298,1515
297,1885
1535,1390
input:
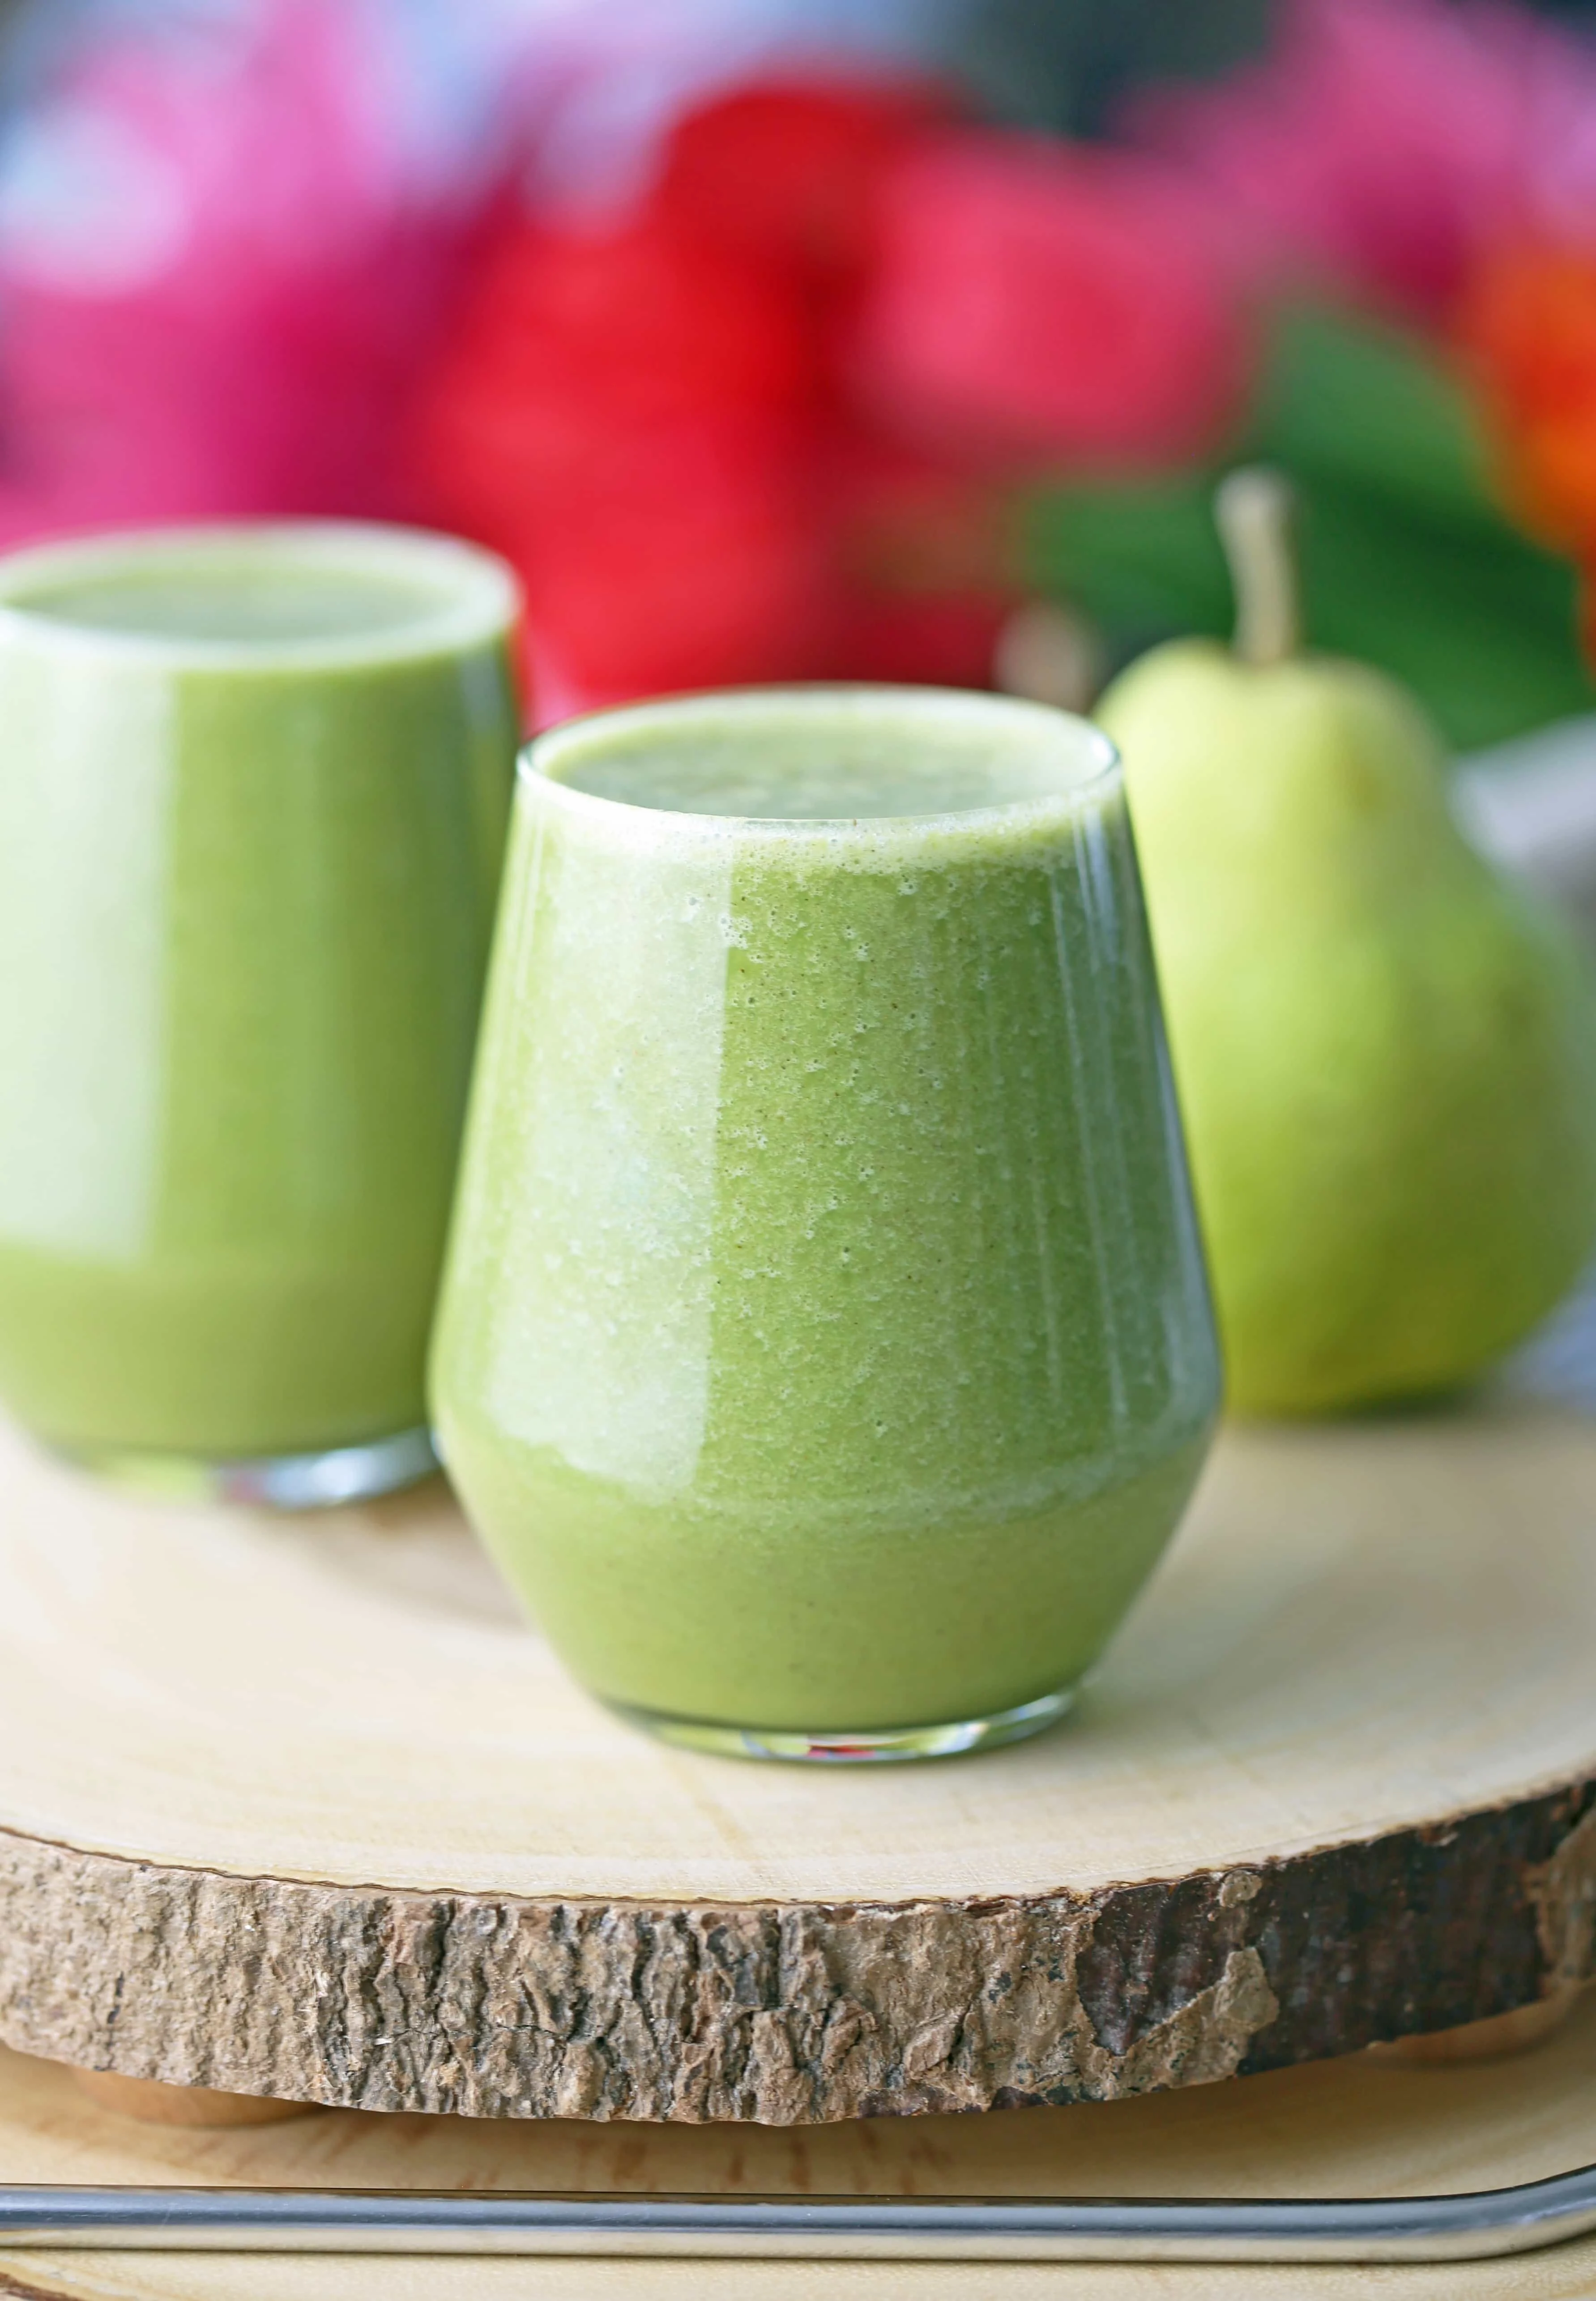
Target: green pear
x,y
1385,1050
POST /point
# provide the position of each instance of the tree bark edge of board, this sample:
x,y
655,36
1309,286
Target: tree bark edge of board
x,y
492,2006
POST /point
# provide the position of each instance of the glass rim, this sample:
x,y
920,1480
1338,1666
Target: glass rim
x,y
477,598
535,772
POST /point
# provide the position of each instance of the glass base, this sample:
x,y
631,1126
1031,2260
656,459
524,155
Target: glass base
x,y
284,1482
872,1746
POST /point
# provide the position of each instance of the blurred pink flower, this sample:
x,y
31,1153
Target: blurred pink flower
x,y
1385,141
216,266
1032,301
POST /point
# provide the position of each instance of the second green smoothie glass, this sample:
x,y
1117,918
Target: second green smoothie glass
x,y
825,1353
253,783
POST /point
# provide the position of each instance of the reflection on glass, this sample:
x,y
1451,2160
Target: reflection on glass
x,y
825,1353
253,791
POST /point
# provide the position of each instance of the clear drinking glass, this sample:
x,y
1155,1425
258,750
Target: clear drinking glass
x,y
253,783
824,1351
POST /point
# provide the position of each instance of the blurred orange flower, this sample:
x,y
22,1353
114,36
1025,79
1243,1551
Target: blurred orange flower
x,y
1529,329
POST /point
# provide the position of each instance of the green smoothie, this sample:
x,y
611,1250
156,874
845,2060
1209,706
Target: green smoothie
x,y
825,1346
252,790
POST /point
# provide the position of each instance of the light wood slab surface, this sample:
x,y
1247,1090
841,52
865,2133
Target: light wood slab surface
x,y
301,1807
1359,1628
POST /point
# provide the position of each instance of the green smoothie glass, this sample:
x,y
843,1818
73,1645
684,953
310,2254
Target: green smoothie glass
x,y
825,1353
253,783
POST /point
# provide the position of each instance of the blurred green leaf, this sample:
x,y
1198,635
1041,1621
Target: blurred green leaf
x,y
1356,404
1144,559
1406,561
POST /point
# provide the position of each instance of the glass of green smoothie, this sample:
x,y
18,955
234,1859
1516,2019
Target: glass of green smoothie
x,y
253,785
825,1354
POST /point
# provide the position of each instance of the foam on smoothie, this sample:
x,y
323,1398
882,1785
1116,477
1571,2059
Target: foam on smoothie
x,y
835,759
236,602
261,597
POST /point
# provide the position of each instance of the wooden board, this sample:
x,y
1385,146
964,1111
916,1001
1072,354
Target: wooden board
x,y
300,1808
1348,2127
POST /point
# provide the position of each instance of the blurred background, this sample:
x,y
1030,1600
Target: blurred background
x,y
776,338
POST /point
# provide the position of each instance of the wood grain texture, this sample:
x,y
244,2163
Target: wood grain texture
x,y
1352,2127
302,1810
154,2103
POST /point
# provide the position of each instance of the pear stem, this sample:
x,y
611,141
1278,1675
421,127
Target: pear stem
x,y
1253,509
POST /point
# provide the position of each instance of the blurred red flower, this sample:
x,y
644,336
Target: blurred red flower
x,y
920,559
1034,303
619,414
762,427
788,170
644,416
